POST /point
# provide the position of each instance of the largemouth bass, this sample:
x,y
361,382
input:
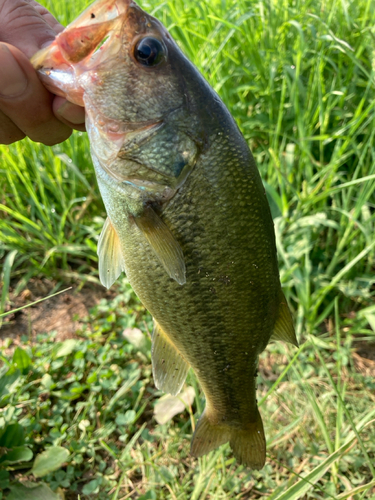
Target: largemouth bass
x,y
188,218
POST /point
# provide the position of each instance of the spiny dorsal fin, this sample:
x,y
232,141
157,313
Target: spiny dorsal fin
x,y
284,329
169,368
163,243
111,261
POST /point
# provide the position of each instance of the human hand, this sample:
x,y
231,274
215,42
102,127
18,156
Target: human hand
x,y
26,106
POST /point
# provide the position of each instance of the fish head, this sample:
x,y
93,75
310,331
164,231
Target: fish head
x,y
139,92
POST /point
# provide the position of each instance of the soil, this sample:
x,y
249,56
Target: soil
x,y
62,313
364,358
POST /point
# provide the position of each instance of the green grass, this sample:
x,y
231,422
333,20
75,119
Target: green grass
x,y
298,76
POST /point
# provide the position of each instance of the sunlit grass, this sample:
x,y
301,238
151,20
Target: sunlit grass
x,y
298,76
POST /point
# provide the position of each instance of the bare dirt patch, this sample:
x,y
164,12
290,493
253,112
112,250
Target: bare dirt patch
x,y
62,313
364,358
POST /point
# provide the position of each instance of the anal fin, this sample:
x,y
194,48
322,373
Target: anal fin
x,y
163,243
111,261
169,368
284,328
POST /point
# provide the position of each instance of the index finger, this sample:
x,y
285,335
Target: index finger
x,y
22,26
47,16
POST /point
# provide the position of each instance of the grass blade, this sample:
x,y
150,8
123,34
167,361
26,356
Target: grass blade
x,y
7,267
306,482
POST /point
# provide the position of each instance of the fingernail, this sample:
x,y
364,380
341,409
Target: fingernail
x,y
71,112
12,79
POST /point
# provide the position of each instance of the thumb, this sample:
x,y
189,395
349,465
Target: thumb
x,y
25,102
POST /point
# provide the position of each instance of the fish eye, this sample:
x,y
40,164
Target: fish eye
x,y
150,51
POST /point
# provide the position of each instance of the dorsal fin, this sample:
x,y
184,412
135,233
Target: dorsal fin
x,y
169,368
284,328
163,243
111,261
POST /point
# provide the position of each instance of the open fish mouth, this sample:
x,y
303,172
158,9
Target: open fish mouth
x,y
86,43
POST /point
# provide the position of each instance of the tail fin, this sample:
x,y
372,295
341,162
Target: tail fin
x,y
207,436
248,444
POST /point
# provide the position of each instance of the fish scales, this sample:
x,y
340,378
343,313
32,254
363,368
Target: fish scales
x,y
216,317
188,218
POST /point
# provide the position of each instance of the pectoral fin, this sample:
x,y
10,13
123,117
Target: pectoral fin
x,y
111,261
284,329
169,368
163,243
